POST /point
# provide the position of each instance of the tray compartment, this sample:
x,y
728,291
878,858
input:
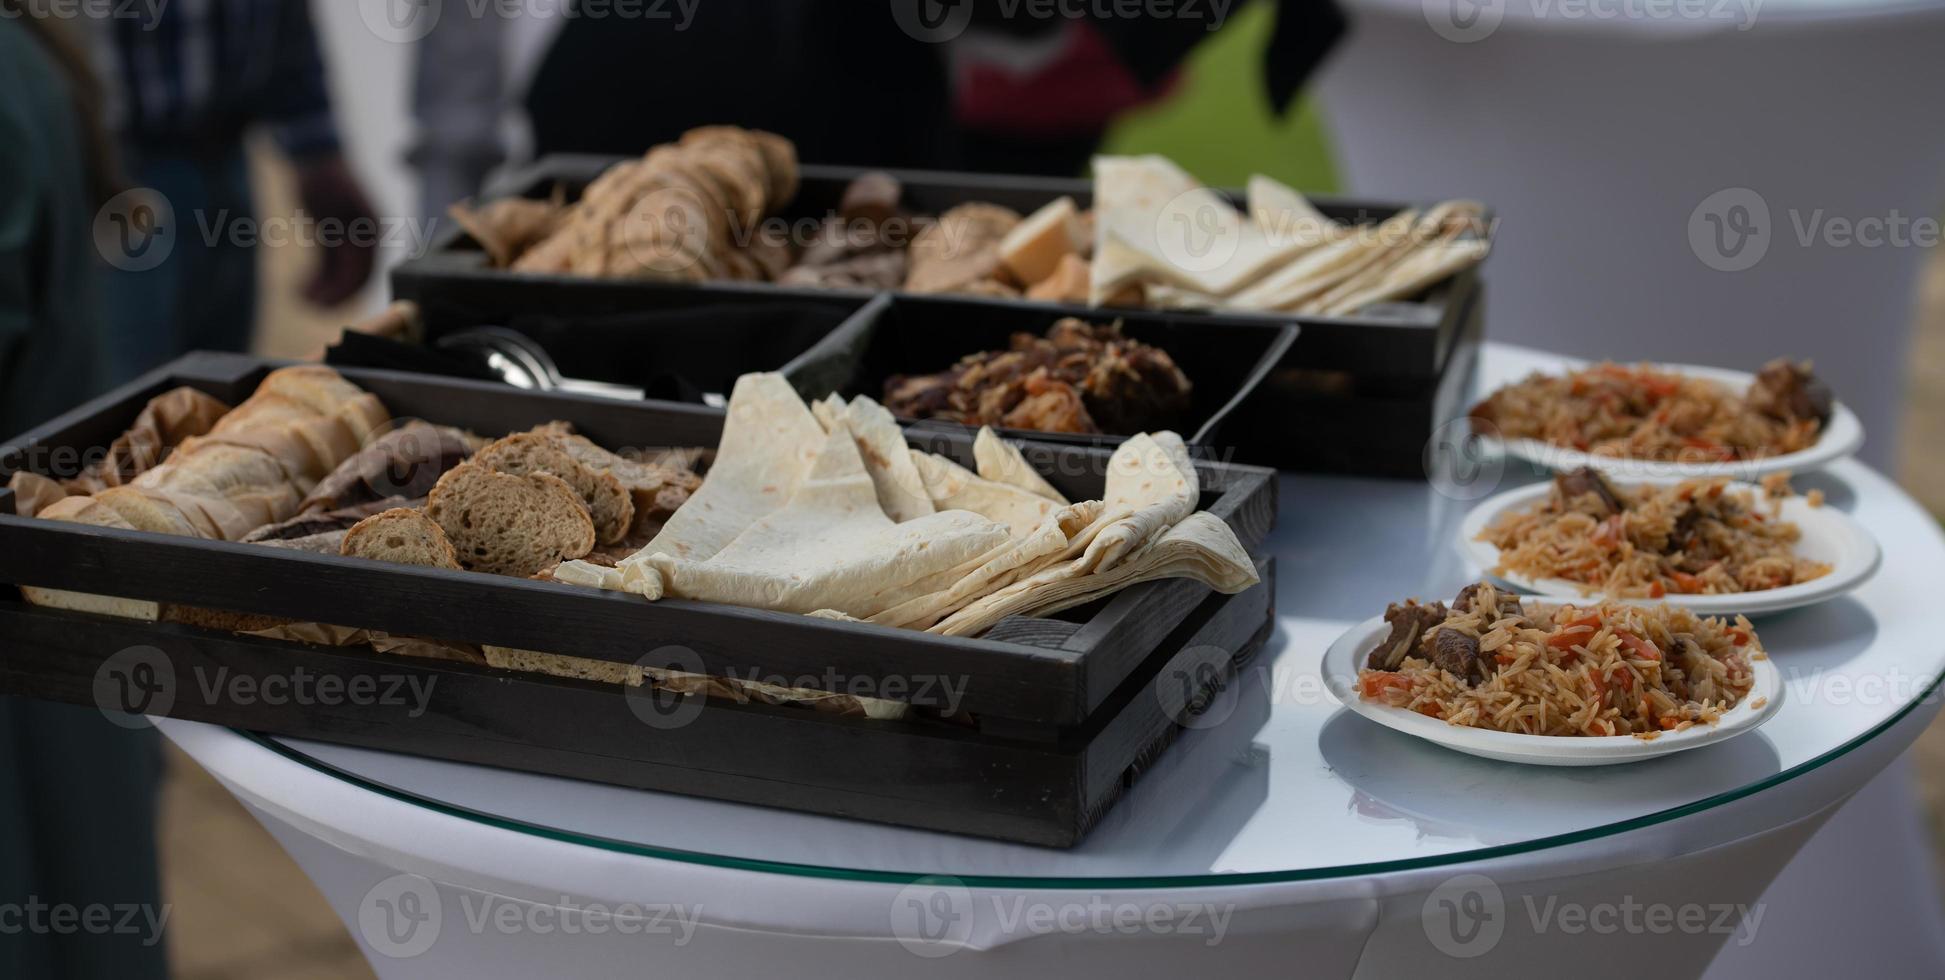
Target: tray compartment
x,y
908,335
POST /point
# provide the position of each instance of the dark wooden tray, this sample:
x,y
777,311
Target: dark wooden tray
x,y
902,334
1053,688
454,286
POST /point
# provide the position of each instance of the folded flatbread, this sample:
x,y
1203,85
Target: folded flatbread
x,y
829,547
953,487
769,442
901,492
1001,462
1202,547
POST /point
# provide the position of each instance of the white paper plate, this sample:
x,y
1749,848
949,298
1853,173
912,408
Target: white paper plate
x,y
1842,437
1829,535
1342,660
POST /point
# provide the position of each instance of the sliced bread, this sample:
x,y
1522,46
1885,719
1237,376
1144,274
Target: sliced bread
x,y
611,506
147,513
510,524
400,535
561,665
656,489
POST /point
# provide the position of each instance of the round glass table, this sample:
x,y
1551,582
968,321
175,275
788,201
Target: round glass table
x,y
1282,829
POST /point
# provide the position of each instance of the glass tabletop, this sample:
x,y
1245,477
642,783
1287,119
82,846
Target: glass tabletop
x,y
1281,782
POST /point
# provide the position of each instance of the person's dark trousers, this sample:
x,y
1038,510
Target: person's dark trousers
x,y
203,296
77,813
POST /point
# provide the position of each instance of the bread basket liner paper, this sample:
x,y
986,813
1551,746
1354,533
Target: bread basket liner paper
x,y
327,635
163,423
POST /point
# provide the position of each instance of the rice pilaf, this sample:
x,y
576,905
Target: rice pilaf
x,y
1699,537
1493,662
1642,412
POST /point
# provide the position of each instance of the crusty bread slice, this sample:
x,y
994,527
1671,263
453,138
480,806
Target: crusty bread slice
x,y
238,488
99,605
508,524
561,665
219,619
611,506
144,512
400,535
656,489
302,464
314,386
85,510
406,461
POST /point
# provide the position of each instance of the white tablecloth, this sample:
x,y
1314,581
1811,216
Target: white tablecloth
x,y
1292,837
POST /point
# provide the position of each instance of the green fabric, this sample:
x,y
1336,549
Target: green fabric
x,y
1219,125
51,335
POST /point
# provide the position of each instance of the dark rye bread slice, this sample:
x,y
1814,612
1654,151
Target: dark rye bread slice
x,y
400,535
404,462
609,503
510,524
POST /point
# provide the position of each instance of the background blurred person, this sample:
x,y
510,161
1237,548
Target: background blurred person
x,y
187,82
77,794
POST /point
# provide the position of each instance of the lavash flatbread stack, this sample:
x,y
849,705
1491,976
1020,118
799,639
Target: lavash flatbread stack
x,y
826,512
1181,245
